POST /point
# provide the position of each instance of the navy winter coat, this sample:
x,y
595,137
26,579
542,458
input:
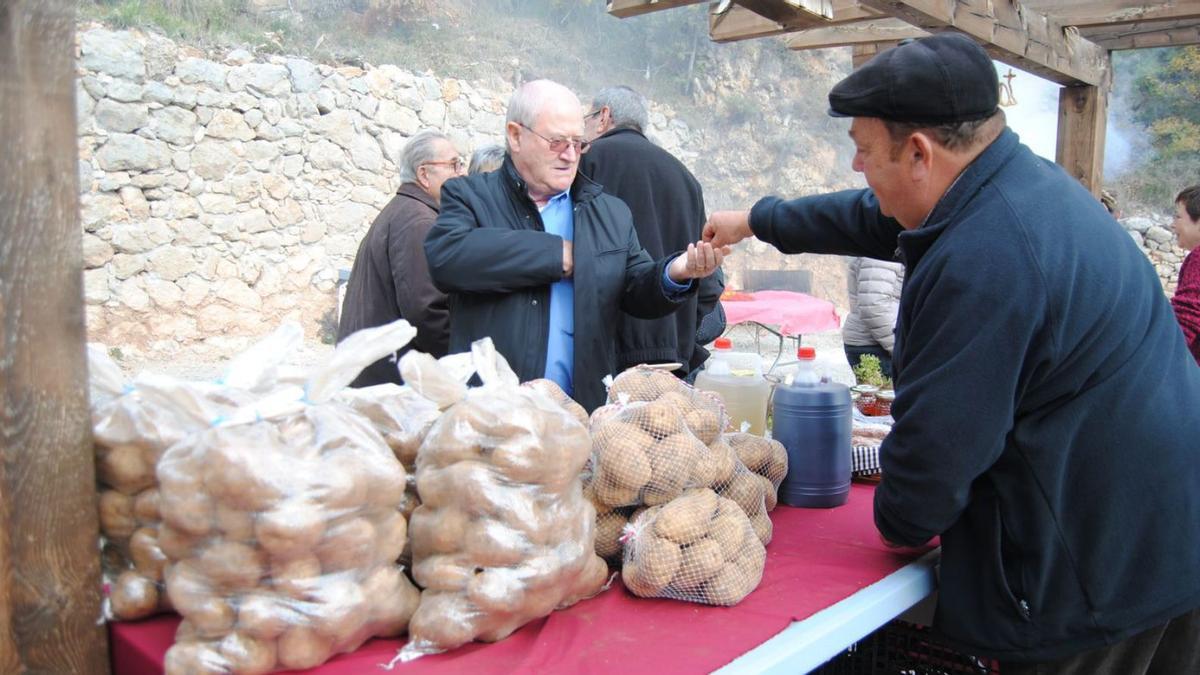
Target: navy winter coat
x,y
1047,410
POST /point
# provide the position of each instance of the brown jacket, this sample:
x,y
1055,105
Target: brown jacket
x,y
390,281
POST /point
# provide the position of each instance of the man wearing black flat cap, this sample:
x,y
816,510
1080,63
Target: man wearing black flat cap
x,y
1043,427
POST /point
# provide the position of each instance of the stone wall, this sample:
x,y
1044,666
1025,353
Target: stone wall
x,y
1155,237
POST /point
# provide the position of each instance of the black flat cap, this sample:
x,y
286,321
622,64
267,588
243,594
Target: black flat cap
x,y
935,80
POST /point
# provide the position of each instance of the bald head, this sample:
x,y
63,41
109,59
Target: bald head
x,y
543,133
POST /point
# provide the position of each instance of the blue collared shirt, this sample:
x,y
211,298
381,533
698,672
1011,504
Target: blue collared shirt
x,y
558,217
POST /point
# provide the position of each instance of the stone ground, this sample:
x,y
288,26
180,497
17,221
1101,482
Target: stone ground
x,y
830,358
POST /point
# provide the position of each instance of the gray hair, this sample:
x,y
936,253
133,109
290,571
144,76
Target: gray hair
x,y
953,136
487,158
529,99
418,150
627,107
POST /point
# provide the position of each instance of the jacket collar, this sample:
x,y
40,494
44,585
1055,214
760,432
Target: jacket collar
x,y
415,191
914,243
582,189
621,130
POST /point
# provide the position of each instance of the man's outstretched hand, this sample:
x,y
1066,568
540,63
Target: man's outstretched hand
x,y
701,260
726,228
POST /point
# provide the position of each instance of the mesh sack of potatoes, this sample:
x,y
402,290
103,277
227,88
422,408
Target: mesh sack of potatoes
x,y
764,456
282,524
699,547
131,433
503,534
754,494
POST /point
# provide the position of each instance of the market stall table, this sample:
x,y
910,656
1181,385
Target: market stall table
x,y
810,605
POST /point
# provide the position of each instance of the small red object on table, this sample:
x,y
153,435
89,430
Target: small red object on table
x,y
817,558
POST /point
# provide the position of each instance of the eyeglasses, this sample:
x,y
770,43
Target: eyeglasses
x,y
593,114
457,163
559,145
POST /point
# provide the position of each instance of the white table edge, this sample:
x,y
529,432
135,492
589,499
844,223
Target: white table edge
x,y
805,645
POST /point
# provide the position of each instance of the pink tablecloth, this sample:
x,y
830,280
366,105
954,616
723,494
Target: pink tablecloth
x,y
794,313
817,557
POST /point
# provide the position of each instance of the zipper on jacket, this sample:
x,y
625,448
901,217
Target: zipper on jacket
x,y
1025,611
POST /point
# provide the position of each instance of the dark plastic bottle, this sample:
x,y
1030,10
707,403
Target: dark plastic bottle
x,y
813,422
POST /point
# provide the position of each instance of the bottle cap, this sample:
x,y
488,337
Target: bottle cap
x,y
723,343
806,353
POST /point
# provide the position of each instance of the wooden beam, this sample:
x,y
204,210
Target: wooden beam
x,y
1146,34
865,52
49,531
627,8
1109,13
729,22
1082,117
782,11
1011,33
862,32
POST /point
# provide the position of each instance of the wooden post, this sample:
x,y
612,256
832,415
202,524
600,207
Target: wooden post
x,y
49,557
1082,118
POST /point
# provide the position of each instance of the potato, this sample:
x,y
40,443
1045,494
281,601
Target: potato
x,y
658,419
643,384
176,545
763,527
301,647
754,451
186,632
145,507
442,621
603,414
241,476
190,512
125,468
391,531
650,565
147,557
116,514
770,493
497,590
523,459
133,596
246,655
347,545
232,566
192,658
704,424
609,493
187,586
589,582
704,471
393,600
620,451
438,530
343,484
212,617
342,612
490,543
290,529
672,460
699,562
687,518
730,528
725,462
555,393
753,557
730,585
609,528
443,573
448,486
296,577
264,616
746,489
234,524
777,465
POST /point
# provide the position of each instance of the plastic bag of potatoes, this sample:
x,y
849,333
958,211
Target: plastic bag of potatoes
x,y
282,527
130,435
699,547
503,534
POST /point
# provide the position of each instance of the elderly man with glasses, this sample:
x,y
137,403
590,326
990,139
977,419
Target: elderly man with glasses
x,y
390,279
537,257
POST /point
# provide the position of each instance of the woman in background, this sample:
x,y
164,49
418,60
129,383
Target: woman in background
x,y
487,158
870,327
1186,300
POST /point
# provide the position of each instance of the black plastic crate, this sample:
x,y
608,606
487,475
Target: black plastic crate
x,y
901,648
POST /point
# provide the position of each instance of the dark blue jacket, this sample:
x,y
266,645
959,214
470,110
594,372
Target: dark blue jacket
x,y
490,252
1047,410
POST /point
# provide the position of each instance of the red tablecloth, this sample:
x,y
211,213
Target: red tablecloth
x,y
817,557
794,313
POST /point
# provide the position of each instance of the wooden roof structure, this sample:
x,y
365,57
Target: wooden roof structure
x,y
1065,41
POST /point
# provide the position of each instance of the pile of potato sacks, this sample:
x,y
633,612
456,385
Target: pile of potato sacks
x,y
503,534
657,443
130,436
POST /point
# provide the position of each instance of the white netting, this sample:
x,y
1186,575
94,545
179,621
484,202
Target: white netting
x,y
699,547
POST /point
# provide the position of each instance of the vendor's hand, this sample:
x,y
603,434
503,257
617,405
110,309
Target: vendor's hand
x,y
701,260
891,544
568,259
726,228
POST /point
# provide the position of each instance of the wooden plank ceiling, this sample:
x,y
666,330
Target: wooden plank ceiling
x,y
1065,41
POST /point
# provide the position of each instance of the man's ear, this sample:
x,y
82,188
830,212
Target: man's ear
x,y
423,177
512,131
919,156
